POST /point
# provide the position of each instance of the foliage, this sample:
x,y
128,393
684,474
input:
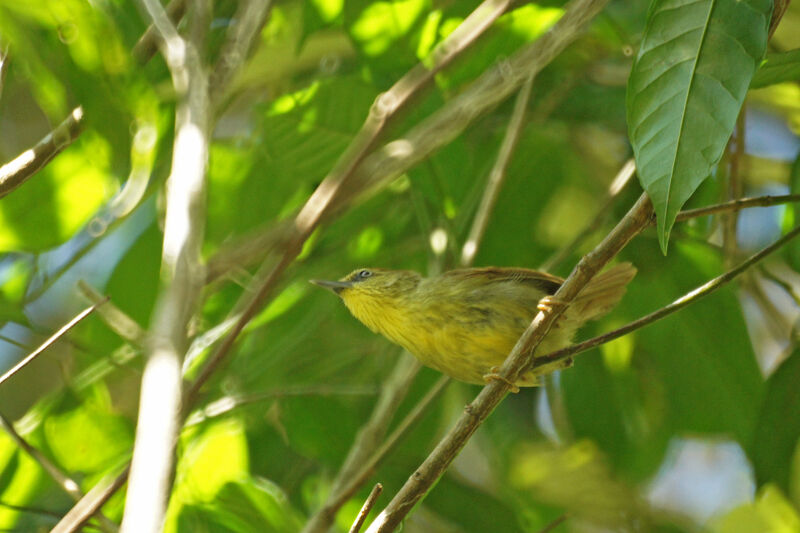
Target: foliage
x,y
613,442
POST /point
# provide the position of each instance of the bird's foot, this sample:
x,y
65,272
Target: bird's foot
x,y
549,303
494,375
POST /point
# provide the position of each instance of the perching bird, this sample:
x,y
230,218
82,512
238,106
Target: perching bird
x,y
465,322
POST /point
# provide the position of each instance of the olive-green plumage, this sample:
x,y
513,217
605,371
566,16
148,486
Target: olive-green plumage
x,y
465,322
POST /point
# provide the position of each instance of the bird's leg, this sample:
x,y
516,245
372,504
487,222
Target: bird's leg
x,y
548,303
494,375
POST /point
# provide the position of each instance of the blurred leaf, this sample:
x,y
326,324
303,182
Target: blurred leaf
x,y
383,29
20,479
704,380
243,507
770,513
575,478
777,431
777,67
88,437
212,458
517,27
687,85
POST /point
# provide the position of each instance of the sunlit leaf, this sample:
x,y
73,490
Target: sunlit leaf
x,y
769,513
687,85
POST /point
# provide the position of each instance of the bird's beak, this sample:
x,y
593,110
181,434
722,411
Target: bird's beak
x,y
335,286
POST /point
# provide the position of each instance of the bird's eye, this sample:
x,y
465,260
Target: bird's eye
x,y
364,274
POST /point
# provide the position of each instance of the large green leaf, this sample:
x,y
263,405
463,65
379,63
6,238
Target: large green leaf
x,y
778,430
685,91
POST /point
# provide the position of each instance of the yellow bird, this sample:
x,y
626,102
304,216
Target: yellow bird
x,y
465,322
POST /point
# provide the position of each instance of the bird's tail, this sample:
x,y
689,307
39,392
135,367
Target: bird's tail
x,y
602,292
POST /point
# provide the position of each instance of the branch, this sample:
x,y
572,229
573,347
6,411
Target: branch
x,y
20,169
145,48
498,174
159,409
49,342
368,467
622,178
116,319
366,508
3,68
475,413
688,298
91,503
369,437
736,205
250,17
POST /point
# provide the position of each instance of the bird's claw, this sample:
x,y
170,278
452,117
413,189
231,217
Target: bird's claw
x,y
548,303
494,375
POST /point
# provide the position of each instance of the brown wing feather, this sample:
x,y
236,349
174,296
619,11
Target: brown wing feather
x,y
543,281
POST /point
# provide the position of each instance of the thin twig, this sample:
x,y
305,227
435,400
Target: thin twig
x,y
475,413
32,510
622,178
369,437
3,69
367,468
24,166
229,403
554,524
114,317
366,508
250,17
147,45
730,220
66,483
498,173
737,205
49,342
688,298
91,503
160,398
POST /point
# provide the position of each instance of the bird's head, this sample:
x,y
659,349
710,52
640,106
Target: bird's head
x,y
373,283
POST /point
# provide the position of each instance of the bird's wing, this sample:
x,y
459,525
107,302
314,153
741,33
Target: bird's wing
x,y
542,281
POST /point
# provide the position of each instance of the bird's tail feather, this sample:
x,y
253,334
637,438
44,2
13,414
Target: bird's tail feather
x,y
602,292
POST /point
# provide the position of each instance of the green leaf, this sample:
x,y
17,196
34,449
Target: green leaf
x,y
777,67
778,428
243,506
685,91
770,512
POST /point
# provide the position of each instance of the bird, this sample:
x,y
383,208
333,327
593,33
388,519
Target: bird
x,y
465,322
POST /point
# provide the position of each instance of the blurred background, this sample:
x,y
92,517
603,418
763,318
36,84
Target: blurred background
x,y
690,424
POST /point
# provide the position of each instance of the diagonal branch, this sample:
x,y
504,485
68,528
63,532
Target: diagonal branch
x,y
24,166
50,341
250,17
497,175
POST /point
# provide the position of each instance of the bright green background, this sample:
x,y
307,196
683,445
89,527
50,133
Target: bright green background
x,y
713,375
